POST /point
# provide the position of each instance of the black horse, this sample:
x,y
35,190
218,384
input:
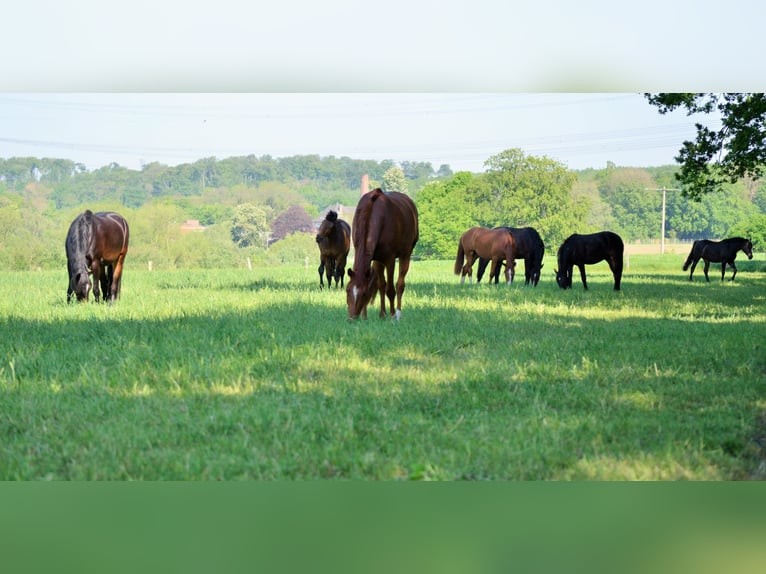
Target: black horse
x,y
528,246
582,250
723,252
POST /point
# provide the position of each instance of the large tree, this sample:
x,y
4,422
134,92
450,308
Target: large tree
x,y
736,150
532,191
249,226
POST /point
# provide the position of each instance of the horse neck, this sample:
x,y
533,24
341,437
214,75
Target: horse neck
x,y
366,234
80,245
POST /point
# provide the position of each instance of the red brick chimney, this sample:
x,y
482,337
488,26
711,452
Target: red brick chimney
x,y
365,184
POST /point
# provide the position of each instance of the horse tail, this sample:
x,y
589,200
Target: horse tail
x,y
459,259
691,257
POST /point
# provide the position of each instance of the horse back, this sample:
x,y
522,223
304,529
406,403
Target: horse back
x,y
590,249
110,236
385,225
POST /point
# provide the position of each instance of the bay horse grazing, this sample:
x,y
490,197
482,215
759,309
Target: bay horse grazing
x,y
495,245
723,252
384,229
334,240
582,250
528,246
96,243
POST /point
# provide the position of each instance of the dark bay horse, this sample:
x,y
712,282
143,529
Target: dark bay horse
x,y
96,243
723,252
495,245
334,240
384,229
527,246
582,250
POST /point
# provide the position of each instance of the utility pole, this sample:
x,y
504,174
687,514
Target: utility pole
x,y
662,232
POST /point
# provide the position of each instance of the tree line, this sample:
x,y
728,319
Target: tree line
x,y
262,209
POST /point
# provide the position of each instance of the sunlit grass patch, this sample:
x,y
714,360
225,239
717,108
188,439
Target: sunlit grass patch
x,y
260,375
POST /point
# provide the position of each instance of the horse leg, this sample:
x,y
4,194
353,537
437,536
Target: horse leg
x,y
493,271
509,271
391,288
116,278
482,268
106,282
497,272
707,266
340,269
733,268
381,285
615,265
321,272
467,268
581,266
330,271
694,265
404,266
95,266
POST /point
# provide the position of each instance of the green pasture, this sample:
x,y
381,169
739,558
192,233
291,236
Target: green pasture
x,y
239,374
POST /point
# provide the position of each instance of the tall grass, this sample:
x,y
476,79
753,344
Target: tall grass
x,y
259,375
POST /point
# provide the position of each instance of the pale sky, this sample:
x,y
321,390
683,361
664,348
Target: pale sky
x,y
459,129
453,81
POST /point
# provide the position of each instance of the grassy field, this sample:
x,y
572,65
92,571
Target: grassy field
x,y
257,374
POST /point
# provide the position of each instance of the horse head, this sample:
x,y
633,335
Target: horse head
x,y
326,227
535,276
563,279
359,291
748,248
81,285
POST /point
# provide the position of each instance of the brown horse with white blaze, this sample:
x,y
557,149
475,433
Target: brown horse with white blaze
x,y
384,229
495,245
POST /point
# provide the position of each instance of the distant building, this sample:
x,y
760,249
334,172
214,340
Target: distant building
x,y
192,225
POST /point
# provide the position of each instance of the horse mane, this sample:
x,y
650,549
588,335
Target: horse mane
x,y
78,241
332,216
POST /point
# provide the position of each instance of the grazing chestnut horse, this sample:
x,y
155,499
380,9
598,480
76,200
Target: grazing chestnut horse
x,y
723,252
334,240
495,245
384,229
582,250
96,243
527,246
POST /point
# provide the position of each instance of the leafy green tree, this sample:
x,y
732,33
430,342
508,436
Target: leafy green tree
x,y
444,171
531,191
417,169
754,228
295,248
445,211
736,150
636,207
394,180
249,226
